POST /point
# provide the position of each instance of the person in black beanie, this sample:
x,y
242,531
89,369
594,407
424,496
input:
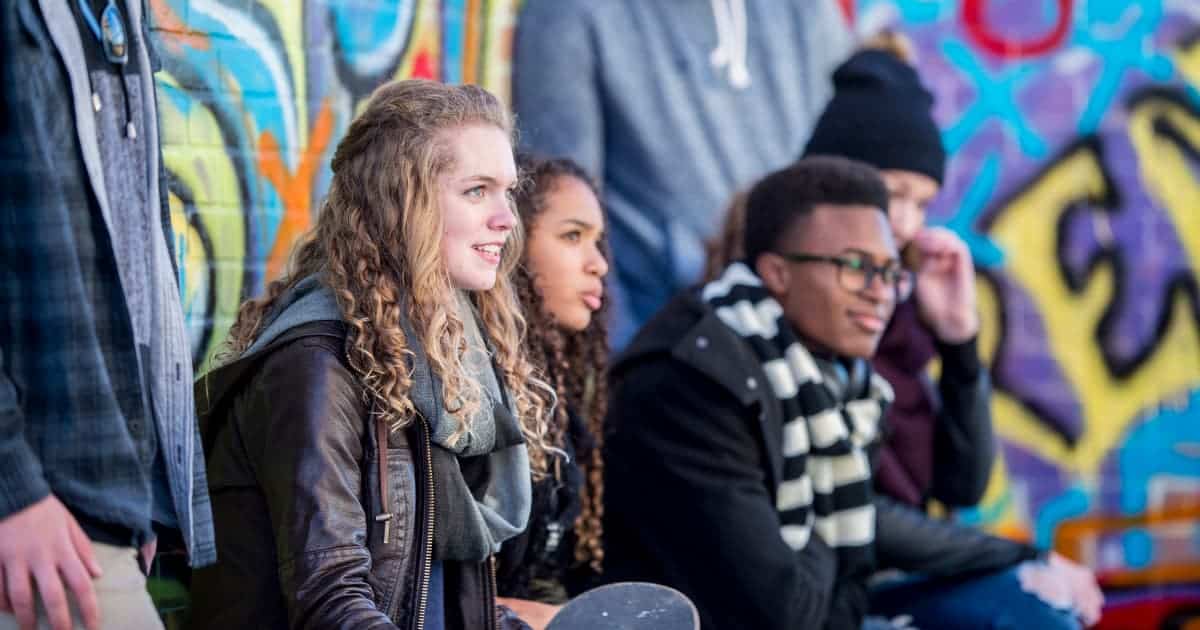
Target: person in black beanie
x,y
939,442
903,141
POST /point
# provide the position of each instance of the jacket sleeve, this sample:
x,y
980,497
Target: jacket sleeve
x,y
307,455
964,442
555,83
911,541
685,492
21,480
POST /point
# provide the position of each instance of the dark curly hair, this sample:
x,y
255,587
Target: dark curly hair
x,y
573,362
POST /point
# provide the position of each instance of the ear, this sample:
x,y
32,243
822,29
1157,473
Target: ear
x,y
774,271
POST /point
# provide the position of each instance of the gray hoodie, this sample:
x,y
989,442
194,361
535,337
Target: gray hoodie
x,y
673,106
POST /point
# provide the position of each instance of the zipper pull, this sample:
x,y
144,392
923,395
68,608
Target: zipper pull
x,y
386,519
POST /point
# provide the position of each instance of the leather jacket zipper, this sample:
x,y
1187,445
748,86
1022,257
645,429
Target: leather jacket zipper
x,y
430,511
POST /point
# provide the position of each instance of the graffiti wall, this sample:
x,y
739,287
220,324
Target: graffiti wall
x,y
253,98
1074,130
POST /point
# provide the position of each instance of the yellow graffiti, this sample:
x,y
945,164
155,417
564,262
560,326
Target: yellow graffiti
x,y
1164,167
289,16
191,256
194,152
1028,231
499,25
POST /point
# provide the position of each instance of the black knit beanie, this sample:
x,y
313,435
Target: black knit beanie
x,y
880,114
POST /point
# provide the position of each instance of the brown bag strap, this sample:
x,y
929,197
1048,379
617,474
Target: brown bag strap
x,y
381,436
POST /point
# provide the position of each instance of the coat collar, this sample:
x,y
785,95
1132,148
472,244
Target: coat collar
x,y
689,331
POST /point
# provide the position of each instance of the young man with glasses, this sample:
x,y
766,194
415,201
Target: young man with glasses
x,y
939,444
745,414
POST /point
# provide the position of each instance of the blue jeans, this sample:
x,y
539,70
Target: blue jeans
x,y
992,601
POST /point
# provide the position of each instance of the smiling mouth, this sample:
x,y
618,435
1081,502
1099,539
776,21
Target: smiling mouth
x,y
489,252
868,322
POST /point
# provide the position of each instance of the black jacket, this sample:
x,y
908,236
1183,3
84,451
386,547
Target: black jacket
x,y
295,478
692,461
539,564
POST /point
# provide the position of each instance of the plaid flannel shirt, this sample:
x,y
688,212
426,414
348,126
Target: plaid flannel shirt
x,y
73,415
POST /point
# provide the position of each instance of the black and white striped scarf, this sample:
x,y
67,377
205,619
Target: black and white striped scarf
x,y
826,481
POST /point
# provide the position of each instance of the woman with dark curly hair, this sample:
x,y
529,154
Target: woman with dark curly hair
x,y
370,442
561,287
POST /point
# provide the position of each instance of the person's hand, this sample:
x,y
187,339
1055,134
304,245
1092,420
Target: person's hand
x,y
946,285
536,614
43,545
1064,584
1085,591
147,554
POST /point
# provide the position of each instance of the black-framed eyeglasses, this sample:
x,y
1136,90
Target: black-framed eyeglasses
x,y
856,271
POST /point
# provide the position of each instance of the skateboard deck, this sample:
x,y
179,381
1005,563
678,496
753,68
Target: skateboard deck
x,y
628,606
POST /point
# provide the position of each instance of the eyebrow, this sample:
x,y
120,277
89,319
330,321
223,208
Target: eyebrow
x,y
869,256
583,224
486,179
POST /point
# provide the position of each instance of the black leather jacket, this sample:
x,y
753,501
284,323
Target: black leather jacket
x,y
317,526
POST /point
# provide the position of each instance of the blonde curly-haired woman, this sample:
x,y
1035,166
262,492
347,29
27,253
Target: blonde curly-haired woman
x,y
371,436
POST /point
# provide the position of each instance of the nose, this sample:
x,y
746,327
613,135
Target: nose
x,y
501,217
906,217
596,264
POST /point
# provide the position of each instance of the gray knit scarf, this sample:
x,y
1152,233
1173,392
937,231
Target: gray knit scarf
x,y
482,483
484,492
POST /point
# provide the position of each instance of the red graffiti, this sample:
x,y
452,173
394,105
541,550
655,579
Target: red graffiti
x,y
1008,47
423,66
847,11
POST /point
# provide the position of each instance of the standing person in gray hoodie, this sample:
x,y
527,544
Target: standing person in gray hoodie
x,y
671,107
99,457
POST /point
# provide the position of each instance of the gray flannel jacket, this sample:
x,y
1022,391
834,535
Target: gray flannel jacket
x,y
73,400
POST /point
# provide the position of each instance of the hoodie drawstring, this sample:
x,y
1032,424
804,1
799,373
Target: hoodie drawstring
x,y
115,44
731,50
130,128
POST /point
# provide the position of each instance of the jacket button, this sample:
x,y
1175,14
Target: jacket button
x,y
702,342
752,383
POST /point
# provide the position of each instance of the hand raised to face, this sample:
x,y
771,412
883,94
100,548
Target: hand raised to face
x,y
945,285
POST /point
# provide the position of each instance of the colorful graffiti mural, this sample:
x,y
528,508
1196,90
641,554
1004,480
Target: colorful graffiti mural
x,y
1075,133
253,97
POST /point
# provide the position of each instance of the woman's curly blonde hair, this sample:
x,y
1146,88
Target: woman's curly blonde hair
x,y
378,245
